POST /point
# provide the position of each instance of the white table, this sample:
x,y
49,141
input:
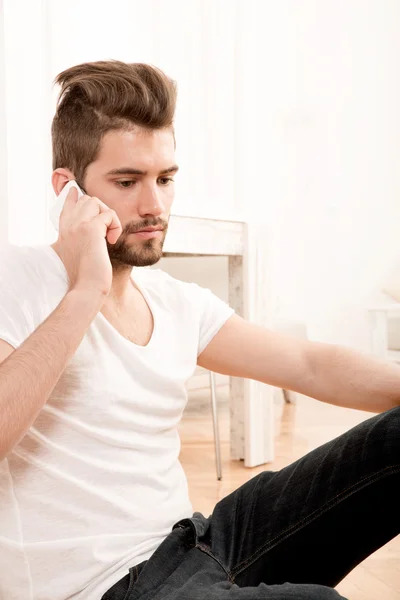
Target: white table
x,y
251,403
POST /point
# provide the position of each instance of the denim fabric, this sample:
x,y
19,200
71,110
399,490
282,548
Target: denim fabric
x,y
292,534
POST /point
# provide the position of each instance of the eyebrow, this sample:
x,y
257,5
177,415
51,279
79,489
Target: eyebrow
x,y
130,171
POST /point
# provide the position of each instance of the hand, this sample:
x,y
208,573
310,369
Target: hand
x,y
85,225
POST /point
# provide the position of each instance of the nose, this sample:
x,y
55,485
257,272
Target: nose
x,y
150,203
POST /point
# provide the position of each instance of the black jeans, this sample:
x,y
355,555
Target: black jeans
x,y
293,534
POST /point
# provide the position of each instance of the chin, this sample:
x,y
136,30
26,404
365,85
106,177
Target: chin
x,y
133,255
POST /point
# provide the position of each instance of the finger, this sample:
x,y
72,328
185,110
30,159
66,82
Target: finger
x,y
112,225
85,198
89,207
82,199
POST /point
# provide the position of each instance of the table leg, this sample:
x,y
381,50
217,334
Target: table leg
x,y
251,409
237,385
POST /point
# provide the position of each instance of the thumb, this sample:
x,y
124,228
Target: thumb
x,y
72,197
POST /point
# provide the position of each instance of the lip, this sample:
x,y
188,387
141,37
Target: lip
x,y
148,234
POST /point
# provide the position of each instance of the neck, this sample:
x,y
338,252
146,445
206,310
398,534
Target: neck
x,y
121,286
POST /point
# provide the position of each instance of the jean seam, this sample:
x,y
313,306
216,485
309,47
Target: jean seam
x,y
207,551
312,516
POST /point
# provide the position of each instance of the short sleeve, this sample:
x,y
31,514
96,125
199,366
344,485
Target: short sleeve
x,y
214,313
14,324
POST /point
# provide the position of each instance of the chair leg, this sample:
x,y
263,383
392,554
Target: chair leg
x,y
215,425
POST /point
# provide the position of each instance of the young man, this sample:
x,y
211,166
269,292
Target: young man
x,y
95,353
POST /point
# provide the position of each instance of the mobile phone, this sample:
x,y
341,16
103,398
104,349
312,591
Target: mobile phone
x,y
57,207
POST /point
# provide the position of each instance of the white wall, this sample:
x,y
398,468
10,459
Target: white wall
x,y
26,93
3,144
331,98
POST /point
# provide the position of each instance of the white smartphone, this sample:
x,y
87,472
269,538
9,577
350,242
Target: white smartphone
x,y
57,207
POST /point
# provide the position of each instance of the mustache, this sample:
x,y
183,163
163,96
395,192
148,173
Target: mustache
x,y
134,227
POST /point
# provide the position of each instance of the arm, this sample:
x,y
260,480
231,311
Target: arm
x,y
29,374
327,372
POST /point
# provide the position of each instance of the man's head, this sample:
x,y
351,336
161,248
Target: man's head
x,y
113,133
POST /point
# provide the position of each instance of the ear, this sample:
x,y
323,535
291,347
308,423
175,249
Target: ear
x,y
60,178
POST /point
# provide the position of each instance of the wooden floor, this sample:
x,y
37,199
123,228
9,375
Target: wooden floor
x,y
300,428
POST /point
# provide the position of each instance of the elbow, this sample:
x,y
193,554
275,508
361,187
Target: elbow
x,y
318,357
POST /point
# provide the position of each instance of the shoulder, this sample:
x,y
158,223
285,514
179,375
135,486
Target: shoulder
x,y
24,264
16,265
194,307
33,275
182,295
12,256
18,293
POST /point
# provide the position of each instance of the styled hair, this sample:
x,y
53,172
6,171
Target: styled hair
x,y
101,96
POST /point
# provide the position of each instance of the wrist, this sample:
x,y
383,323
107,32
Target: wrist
x,y
86,299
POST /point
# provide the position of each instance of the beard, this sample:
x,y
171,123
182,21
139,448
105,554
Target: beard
x,y
142,253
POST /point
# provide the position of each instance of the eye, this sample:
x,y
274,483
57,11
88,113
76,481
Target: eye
x,y
167,180
126,184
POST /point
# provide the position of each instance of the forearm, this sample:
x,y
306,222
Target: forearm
x,y
30,373
348,378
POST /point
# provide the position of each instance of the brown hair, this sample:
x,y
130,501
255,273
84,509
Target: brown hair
x,y
101,96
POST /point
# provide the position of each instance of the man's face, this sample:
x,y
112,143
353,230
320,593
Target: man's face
x,y
140,200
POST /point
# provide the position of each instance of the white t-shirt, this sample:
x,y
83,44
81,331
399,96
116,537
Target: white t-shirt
x,y
96,484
